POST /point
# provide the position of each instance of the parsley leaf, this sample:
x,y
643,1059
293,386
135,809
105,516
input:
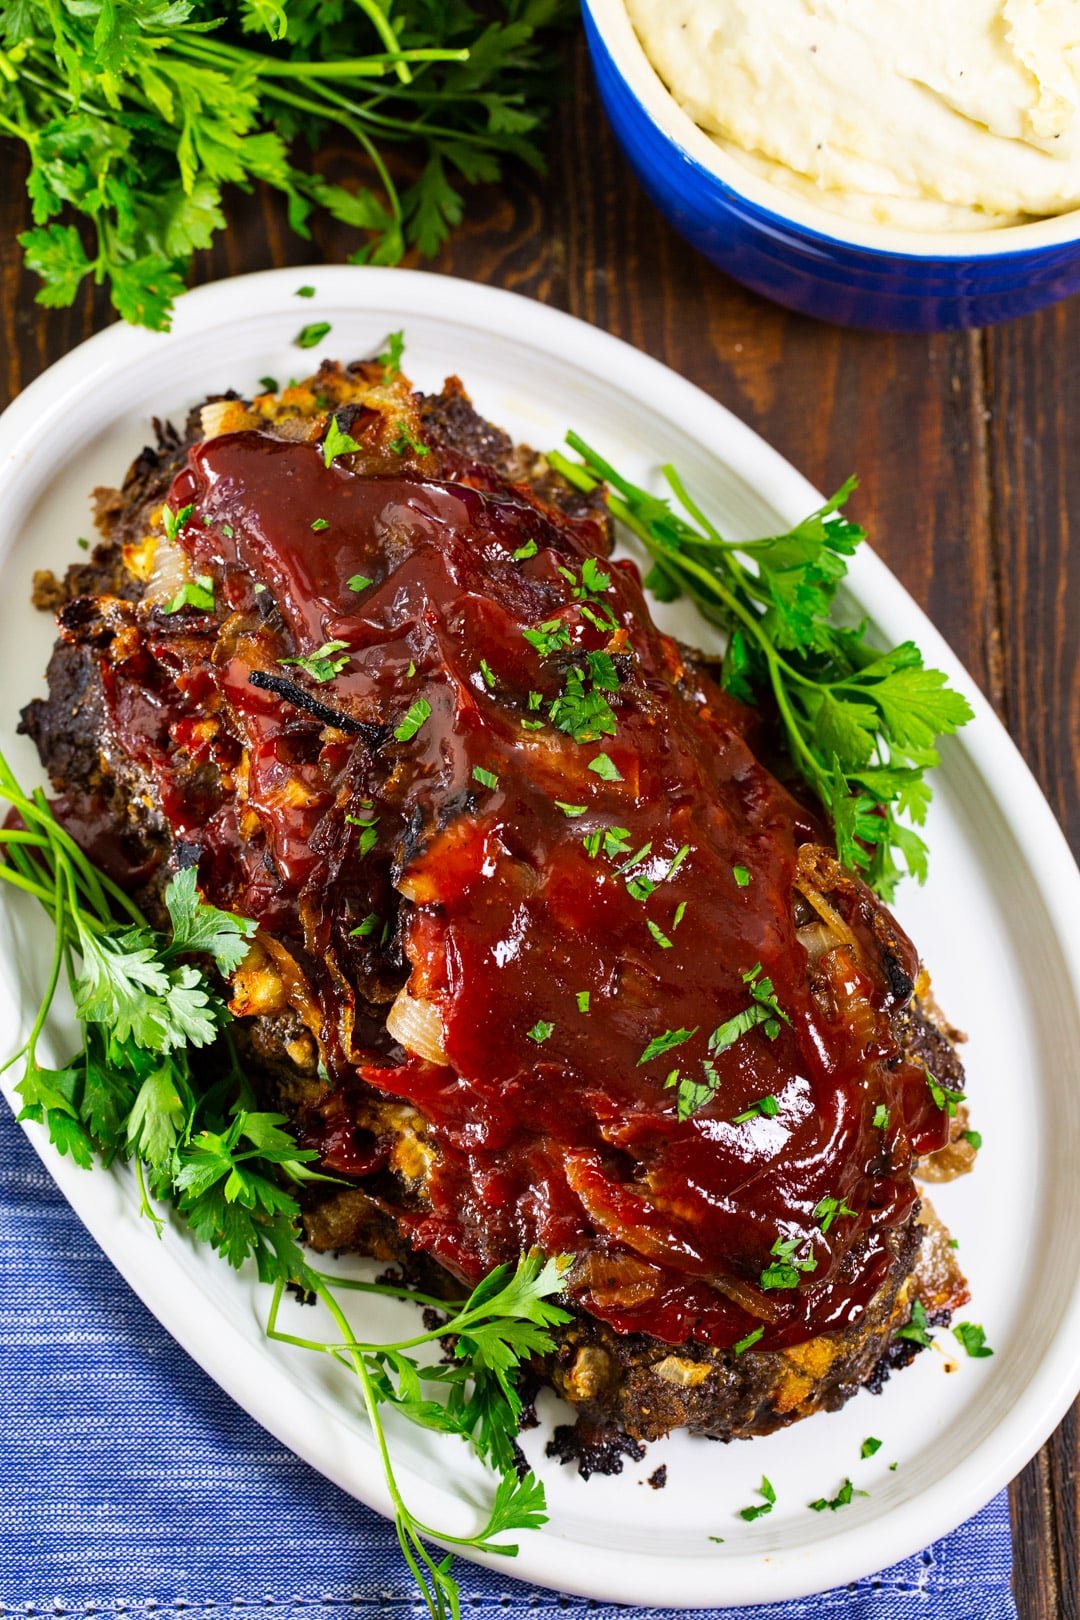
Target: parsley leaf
x,y
406,440
793,1256
843,1498
200,928
667,1042
308,336
336,443
417,714
916,1330
765,1490
605,767
973,1339
390,359
195,593
324,663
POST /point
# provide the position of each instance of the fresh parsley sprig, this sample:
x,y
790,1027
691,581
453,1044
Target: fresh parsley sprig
x,y
157,1083
862,726
138,117
504,1321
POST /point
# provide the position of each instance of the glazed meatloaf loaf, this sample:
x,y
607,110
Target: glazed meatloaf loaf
x,y
547,954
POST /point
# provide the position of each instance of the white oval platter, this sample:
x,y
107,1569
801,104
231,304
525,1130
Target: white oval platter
x,y
998,922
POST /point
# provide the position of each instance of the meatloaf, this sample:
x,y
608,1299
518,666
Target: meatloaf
x,y
548,955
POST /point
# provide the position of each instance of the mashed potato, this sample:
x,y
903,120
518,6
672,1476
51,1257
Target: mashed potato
x,y
927,114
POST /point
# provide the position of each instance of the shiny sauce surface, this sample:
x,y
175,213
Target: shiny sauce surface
x,y
582,914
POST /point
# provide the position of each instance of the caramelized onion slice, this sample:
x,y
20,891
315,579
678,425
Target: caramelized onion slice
x,y
417,1027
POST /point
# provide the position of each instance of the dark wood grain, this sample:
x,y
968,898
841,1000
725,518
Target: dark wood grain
x,y
968,445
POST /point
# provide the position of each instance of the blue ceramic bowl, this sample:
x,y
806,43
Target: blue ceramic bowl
x,y
799,254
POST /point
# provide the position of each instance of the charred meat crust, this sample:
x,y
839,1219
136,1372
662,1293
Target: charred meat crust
x,y
640,1385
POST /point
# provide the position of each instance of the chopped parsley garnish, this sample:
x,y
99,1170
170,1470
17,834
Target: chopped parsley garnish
x,y
692,1094
741,876
862,726
604,767
523,553
639,886
320,523
323,664
406,440
763,1009
305,292
600,617
592,582
676,861
789,1262
869,1446
843,1496
174,521
488,676
268,385
411,671
359,582
917,1329
944,1097
752,1337
540,1031
407,728
336,443
972,1138
973,1339
550,637
583,1001
570,810
369,926
667,1042
369,832
829,1209
881,1117
751,1513
658,934
227,530
584,715
485,777
82,543
194,593
611,841
767,1107
313,333
390,359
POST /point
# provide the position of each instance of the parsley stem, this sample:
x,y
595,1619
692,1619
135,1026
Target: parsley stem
x,y
392,1292
403,1519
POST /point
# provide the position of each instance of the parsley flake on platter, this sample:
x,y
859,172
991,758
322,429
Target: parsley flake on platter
x,y
765,1490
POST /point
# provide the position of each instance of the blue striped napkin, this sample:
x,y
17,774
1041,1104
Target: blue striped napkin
x,y
132,1484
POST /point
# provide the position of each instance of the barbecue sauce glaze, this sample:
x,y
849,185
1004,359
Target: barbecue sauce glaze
x,y
547,1127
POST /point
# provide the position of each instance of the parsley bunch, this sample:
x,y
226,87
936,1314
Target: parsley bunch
x,y
156,1082
138,116
861,726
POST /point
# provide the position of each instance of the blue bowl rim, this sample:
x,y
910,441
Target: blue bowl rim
x,y
966,251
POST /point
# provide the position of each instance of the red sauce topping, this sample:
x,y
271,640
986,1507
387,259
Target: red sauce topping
x,y
526,925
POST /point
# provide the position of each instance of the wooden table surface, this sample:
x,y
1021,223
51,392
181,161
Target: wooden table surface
x,y
967,443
